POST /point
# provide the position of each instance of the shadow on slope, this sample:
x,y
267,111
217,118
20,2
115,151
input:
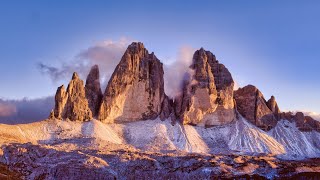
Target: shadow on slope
x,y
51,162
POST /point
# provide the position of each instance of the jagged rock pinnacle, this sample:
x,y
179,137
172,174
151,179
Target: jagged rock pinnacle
x,y
208,97
136,88
72,103
252,105
93,90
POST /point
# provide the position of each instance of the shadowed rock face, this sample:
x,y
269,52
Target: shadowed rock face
x,y
303,123
72,104
252,105
273,106
136,88
93,90
60,101
265,114
207,97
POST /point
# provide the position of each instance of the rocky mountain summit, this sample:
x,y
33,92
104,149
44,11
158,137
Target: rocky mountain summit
x,y
207,97
252,105
72,103
303,123
135,131
136,88
93,90
135,92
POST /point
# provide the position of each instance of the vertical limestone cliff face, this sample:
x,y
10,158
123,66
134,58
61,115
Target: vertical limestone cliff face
x,y
60,102
93,90
273,106
136,88
72,103
207,97
252,105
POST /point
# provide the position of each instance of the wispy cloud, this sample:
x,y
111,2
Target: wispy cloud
x,y
177,71
314,115
106,54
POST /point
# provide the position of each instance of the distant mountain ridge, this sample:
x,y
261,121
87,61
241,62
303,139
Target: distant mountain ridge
x,y
136,92
135,131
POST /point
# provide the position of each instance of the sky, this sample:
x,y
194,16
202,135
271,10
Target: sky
x,y
274,45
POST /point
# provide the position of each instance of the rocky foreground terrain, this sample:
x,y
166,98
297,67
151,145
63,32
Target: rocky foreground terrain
x,y
55,149
135,131
50,162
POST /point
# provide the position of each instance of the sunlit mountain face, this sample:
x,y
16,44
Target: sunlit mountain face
x,y
205,90
206,130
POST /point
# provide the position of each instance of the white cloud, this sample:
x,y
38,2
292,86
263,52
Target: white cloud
x,y
236,85
106,54
314,115
178,71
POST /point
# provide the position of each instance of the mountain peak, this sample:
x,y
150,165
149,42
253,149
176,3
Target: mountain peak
x,y
72,104
136,47
252,105
212,85
136,88
93,90
75,75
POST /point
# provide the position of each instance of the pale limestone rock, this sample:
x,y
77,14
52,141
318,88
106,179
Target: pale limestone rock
x,y
60,102
51,116
136,88
72,104
207,97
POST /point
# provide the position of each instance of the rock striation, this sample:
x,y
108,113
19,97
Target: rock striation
x,y
72,103
93,90
207,97
252,105
136,88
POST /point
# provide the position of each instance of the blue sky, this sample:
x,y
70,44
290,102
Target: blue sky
x,y
273,45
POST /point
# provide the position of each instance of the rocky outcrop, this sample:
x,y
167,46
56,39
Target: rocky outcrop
x,y
93,90
303,123
265,114
273,106
28,161
207,97
167,109
72,104
252,105
61,98
136,88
